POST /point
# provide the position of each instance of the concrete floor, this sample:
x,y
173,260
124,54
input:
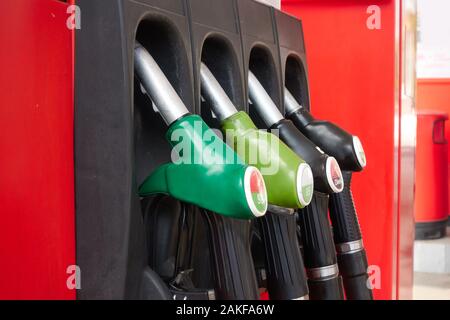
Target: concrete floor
x,y
431,286
432,269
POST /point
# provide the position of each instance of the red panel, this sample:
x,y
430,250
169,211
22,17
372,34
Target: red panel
x,y
353,73
37,236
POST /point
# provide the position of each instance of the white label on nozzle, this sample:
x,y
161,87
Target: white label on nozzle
x,y
255,191
305,184
360,154
334,175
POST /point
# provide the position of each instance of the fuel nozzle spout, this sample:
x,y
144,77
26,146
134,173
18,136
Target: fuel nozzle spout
x,y
288,178
212,91
346,148
263,103
205,171
157,86
327,173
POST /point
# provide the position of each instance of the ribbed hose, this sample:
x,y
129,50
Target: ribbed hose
x,y
351,254
319,251
286,277
234,271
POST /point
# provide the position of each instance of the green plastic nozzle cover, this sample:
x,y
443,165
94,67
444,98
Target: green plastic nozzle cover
x,y
207,173
282,169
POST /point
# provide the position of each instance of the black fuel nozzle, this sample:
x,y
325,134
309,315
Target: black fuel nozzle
x,y
348,150
320,259
326,171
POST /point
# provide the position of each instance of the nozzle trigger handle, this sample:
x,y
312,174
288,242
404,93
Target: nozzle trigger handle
x,y
352,259
286,277
234,270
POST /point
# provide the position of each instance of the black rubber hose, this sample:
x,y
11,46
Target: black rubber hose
x,y
286,277
324,280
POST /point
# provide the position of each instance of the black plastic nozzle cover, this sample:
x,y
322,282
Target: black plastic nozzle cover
x,y
304,147
327,136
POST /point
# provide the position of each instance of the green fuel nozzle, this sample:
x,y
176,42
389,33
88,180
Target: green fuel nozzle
x,y
205,171
327,173
288,178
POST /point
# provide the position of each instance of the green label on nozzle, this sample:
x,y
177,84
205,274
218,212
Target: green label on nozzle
x,y
307,192
305,184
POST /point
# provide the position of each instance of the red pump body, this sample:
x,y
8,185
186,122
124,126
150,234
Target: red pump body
x,y
37,229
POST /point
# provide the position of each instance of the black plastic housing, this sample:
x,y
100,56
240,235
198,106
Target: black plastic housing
x,y
126,142
111,141
216,41
294,67
260,51
119,140
329,137
302,146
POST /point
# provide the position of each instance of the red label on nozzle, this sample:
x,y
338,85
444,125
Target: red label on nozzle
x,y
258,192
334,175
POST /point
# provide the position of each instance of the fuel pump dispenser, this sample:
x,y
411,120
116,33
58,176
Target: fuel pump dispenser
x,y
348,151
320,256
286,278
223,185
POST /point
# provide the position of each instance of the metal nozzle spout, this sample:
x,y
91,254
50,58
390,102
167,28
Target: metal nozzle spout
x,y
221,104
157,86
262,101
290,104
